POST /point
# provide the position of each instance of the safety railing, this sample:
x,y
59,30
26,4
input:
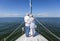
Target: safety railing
x,y
5,39
40,28
47,30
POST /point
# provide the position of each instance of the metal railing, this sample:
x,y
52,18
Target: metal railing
x,y
48,30
37,29
12,32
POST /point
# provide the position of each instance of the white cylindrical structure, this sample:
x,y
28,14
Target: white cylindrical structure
x,y
30,6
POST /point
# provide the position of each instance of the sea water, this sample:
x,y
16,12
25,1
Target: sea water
x,y
9,24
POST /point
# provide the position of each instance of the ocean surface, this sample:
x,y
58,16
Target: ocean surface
x,y
9,24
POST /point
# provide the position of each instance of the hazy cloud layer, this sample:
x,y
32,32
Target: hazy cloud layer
x,y
35,15
47,15
10,15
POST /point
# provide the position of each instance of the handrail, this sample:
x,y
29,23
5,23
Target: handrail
x,y
45,35
13,32
17,36
48,30
40,24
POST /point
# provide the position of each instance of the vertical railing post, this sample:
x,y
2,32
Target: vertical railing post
x,y
4,39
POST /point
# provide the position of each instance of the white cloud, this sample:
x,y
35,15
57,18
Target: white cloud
x,y
41,15
47,15
10,15
36,15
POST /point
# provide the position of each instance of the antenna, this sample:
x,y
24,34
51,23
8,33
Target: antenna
x,y
30,6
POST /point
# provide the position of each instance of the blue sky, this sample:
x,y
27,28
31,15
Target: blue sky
x,y
18,8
